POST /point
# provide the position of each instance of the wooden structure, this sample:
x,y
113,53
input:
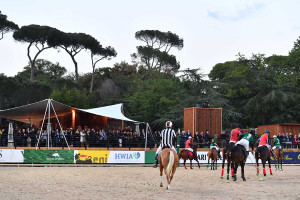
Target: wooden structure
x,y
279,128
201,119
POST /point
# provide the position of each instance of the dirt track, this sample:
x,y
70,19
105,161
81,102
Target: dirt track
x,y
142,183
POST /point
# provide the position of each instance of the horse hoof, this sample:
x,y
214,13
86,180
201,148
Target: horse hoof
x,y
265,174
221,177
271,173
244,179
161,185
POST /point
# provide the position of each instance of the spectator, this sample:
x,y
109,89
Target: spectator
x,y
24,137
189,134
201,139
82,138
207,138
295,141
196,138
298,140
182,139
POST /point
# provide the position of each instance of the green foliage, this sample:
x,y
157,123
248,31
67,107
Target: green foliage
x,y
72,97
6,26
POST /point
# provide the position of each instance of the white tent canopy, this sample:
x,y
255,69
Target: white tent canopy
x,y
36,111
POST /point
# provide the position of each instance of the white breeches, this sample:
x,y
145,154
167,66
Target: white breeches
x,y
245,143
269,147
189,149
275,147
214,147
160,148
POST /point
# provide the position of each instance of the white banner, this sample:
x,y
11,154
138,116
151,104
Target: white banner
x,y
11,155
202,157
126,157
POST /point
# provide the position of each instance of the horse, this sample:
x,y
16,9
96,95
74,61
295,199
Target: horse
x,y
263,153
235,156
278,152
213,155
224,155
168,161
187,155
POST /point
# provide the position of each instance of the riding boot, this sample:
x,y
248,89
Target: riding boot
x,y
195,154
219,154
156,161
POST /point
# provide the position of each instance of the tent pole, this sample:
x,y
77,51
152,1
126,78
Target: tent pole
x,y
146,139
60,126
49,124
41,128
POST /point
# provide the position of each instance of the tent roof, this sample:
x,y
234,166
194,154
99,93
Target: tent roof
x,y
36,111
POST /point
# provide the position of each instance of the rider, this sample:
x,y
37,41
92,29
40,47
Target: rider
x,y
188,146
214,144
246,139
235,133
276,143
264,141
166,140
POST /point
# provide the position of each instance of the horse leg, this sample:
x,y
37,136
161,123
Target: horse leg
x,y
264,167
235,171
191,164
161,174
216,164
257,167
223,163
269,161
208,163
232,169
184,164
281,163
198,163
243,171
228,166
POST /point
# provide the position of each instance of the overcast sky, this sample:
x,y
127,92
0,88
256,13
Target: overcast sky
x,y
213,31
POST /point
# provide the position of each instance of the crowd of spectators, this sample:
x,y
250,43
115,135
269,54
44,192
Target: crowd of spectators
x,y
120,137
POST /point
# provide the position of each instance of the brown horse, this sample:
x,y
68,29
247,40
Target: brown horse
x,y
168,161
278,152
187,155
263,153
213,155
224,156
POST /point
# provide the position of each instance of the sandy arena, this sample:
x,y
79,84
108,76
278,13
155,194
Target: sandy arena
x,y
136,182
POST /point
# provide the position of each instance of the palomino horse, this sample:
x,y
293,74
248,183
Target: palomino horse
x,y
236,156
213,155
187,155
263,153
278,152
224,155
168,161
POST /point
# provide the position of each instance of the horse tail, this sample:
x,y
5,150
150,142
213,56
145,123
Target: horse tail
x,y
179,155
170,164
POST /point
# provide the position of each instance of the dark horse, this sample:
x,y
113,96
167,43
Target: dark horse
x,y
263,153
224,155
278,152
236,156
213,155
187,155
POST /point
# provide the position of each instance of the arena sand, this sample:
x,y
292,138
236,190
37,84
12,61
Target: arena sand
x,y
124,182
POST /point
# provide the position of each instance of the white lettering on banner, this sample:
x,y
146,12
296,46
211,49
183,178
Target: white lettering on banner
x,y
11,155
202,157
126,157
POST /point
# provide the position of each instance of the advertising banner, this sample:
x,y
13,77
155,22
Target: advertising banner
x,y
89,157
290,157
11,156
48,156
149,157
126,157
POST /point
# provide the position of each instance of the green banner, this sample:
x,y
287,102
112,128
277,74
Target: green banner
x,y
149,156
48,156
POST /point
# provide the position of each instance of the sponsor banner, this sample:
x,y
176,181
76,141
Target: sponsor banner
x,y
11,156
126,157
48,156
149,157
89,156
289,157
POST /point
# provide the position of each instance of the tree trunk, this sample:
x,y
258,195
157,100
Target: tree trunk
x,y
32,66
76,69
92,81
